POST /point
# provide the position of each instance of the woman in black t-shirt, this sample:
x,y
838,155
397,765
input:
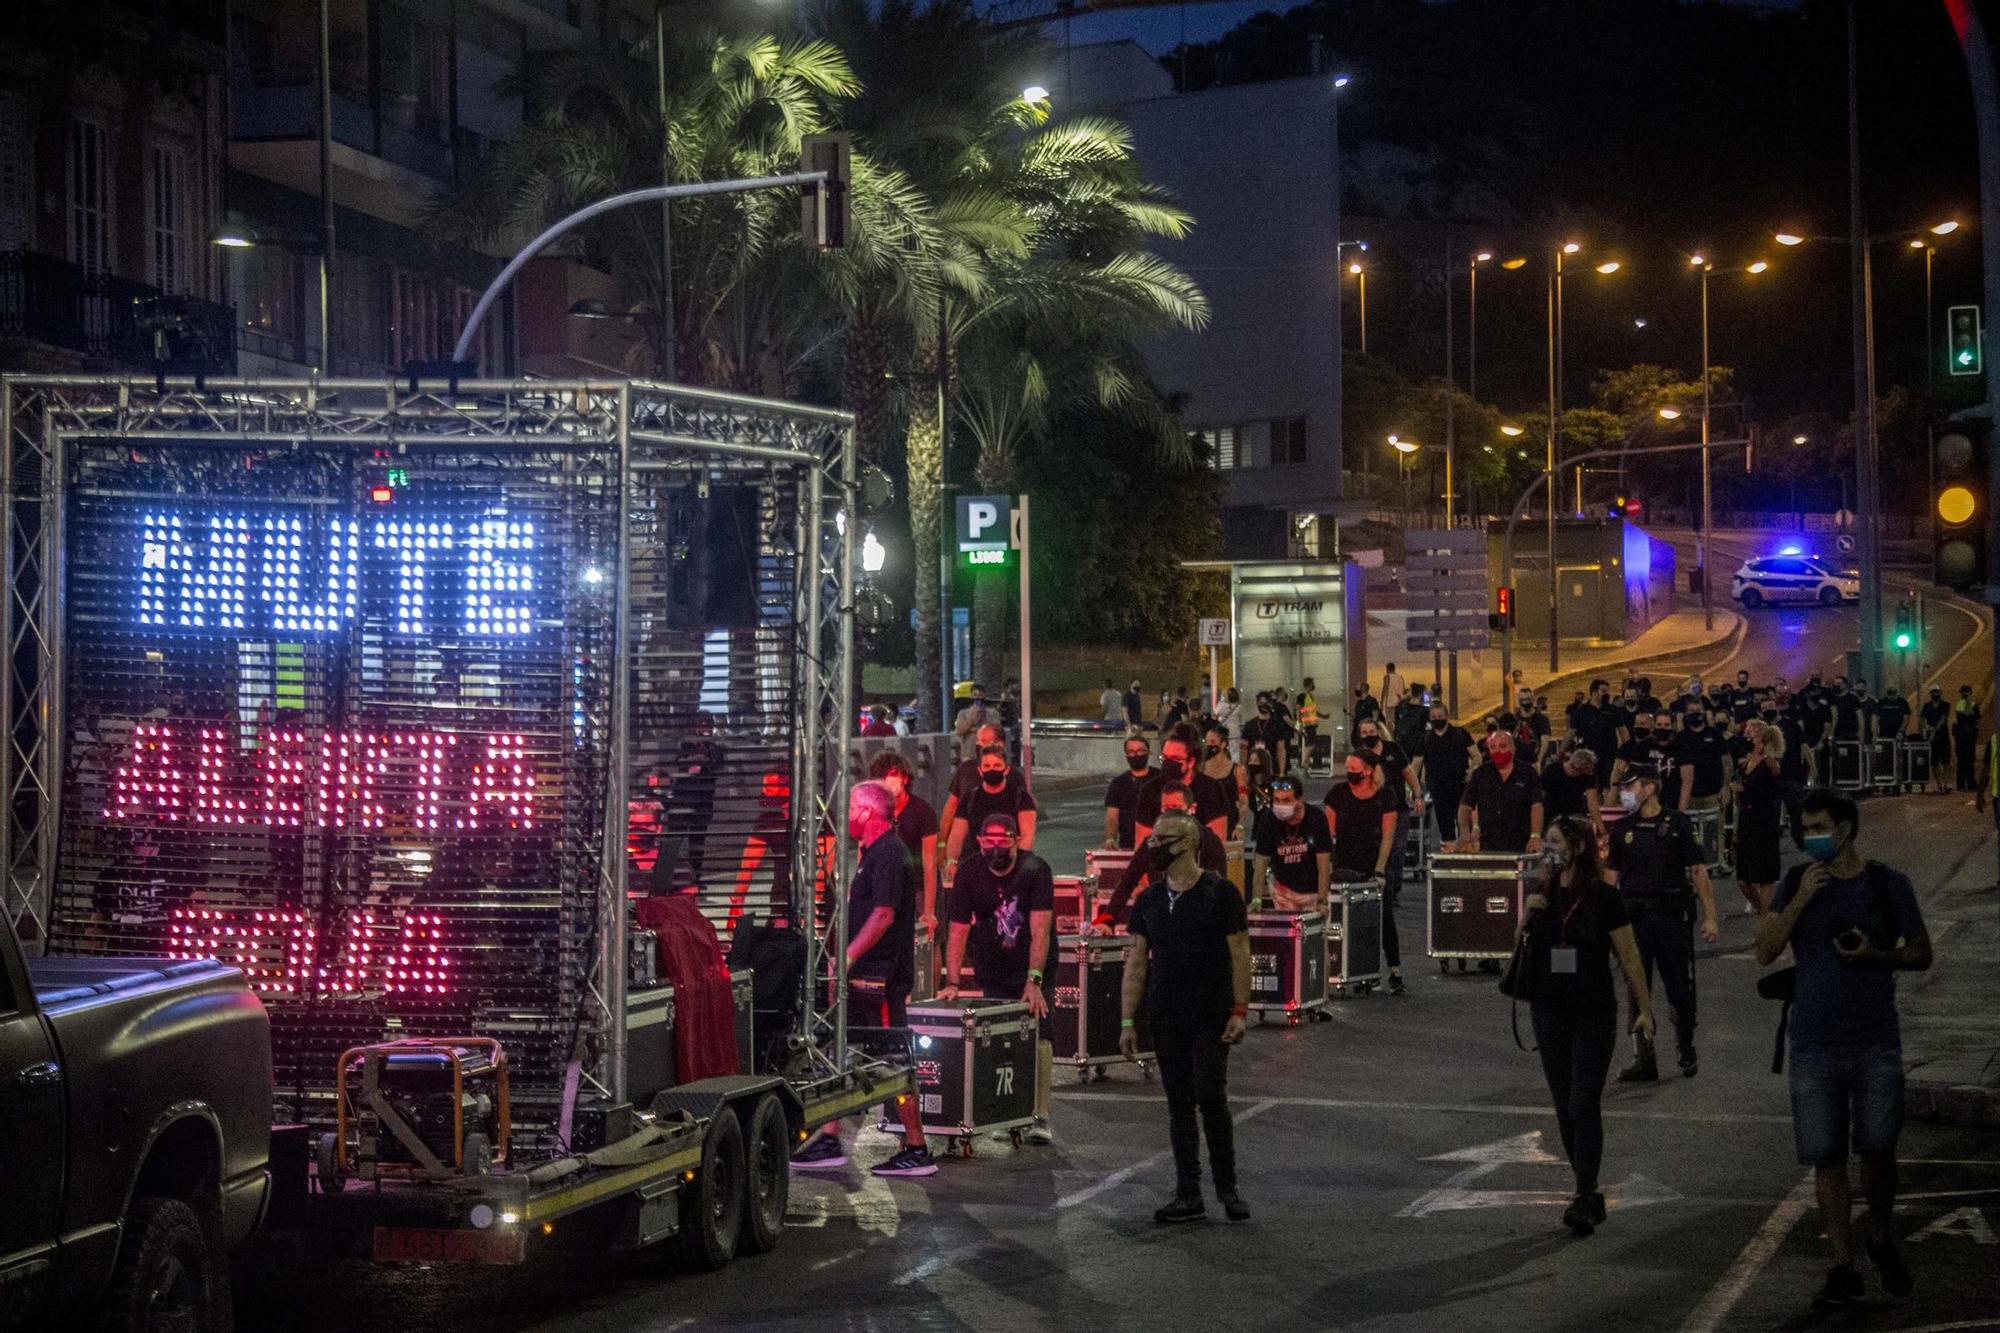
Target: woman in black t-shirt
x,y
1574,924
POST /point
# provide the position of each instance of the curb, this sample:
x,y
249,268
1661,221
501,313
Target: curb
x,y
1967,1105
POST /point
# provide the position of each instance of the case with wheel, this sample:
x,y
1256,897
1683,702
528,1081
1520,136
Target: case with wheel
x,y
1708,836
1287,964
973,1064
1084,1002
1354,936
1474,901
743,996
1916,758
1850,771
1072,897
1884,772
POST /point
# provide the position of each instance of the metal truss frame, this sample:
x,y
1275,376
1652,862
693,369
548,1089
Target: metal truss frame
x,y
652,427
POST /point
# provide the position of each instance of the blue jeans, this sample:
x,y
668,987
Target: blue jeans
x,y
1843,1093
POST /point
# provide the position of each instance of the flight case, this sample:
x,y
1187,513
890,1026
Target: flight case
x,y
1085,1003
972,1062
1287,964
1475,903
1354,936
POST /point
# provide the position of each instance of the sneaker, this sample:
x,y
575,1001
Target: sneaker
x,y
1181,1208
1888,1261
1233,1206
1577,1217
1843,1288
1039,1133
1396,986
916,1161
824,1153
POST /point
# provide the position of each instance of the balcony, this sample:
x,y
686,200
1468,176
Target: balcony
x,y
105,317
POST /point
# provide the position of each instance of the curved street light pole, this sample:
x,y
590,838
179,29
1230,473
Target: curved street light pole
x,y
651,195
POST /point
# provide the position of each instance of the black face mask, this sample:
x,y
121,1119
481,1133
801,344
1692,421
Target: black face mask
x,y
1173,768
1696,722
1770,715
1138,763
992,781
1438,724
1371,742
1210,751
1160,856
998,858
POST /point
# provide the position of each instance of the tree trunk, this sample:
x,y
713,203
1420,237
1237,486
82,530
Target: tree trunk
x,y
864,387
990,631
923,445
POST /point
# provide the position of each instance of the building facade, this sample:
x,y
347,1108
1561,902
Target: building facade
x,y
1256,164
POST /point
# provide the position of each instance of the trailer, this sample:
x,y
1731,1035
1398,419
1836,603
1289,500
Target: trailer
x,y
390,693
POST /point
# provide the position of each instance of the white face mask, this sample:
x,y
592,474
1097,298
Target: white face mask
x,y
1284,810
1628,798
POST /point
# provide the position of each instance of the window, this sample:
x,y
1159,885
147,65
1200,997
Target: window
x,y
416,75
16,172
172,255
1288,441
1220,443
89,196
428,312
1787,568
270,295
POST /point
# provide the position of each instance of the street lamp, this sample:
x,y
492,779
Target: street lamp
x,y
1867,448
1034,94
1552,442
1510,431
1670,414
1472,313
1361,283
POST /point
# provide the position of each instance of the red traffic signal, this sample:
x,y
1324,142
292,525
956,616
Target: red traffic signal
x,y
1503,606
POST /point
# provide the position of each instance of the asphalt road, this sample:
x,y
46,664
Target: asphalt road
x,y
1401,1160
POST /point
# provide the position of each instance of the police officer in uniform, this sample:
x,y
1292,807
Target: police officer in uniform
x,y
1654,854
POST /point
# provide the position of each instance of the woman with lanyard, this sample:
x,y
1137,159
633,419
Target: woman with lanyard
x,y
1574,924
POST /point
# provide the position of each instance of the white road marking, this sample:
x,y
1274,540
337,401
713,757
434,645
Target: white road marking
x,y
1968,1222
1763,1247
1459,1108
1455,1194
1123,1174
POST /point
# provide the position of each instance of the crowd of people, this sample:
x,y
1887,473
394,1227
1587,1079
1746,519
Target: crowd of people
x,y
1623,804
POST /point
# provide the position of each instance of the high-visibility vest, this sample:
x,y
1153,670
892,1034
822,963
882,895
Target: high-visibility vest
x,y
1308,711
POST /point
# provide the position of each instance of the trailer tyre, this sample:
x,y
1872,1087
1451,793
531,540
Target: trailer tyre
x,y
168,1277
767,1178
712,1203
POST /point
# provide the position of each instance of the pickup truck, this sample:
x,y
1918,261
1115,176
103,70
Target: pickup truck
x,y
135,1113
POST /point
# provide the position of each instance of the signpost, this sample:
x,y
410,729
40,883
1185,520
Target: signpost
x,y
991,530
1445,578
1214,635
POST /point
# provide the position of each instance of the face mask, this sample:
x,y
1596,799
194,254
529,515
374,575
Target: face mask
x,y
1173,768
1137,762
997,858
1503,759
1557,857
992,780
1210,751
1821,846
1628,798
1371,742
1696,722
857,829
1358,773
1160,856
1438,724
1284,811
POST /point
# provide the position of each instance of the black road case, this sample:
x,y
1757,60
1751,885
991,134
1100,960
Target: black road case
x,y
1354,936
743,991
1884,773
1916,764
973,1064
1287,964
1475,902
1085,1001
1850,771
1072,901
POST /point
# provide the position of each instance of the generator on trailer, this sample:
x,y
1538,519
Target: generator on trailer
x,y
391,694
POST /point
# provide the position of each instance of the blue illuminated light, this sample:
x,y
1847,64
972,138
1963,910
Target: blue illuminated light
x,y
280,573
1790,550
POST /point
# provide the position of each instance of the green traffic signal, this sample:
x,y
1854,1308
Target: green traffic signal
x,y
1903,639
1962,330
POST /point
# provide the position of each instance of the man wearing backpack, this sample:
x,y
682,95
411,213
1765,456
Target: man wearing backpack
x,y
1852,925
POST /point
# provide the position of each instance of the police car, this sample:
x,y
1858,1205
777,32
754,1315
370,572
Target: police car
x,y
1791,578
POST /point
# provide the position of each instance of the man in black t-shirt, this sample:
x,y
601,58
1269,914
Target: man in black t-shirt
x,y
1003,907
1139,872
1655,862
1190,967
1121,798
1446,756
881,963
965,781
1569,787
1293,852
1892,715
1501,810
916,825
1000,791
1179,764
1845,701
1702,758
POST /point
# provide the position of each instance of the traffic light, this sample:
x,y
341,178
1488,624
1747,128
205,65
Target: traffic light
x,y
1961,526
824,205
1905,637
1962,342
1503,608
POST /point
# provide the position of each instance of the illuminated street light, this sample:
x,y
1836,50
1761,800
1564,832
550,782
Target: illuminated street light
x,y
1639,322
1945,228
1404,446
1571,247
1342,80
1518,261
1758,267
1917,243
1609,266
1483,256
1789,238
1354,268
1034,94
1670,414
1510,431
1798,439
1697,260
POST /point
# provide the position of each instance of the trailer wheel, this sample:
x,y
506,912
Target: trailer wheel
x,y
767,1182
712,1203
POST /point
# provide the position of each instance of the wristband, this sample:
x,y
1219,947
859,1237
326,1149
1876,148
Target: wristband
x,y
1239,1011
1128,1022
1035,975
